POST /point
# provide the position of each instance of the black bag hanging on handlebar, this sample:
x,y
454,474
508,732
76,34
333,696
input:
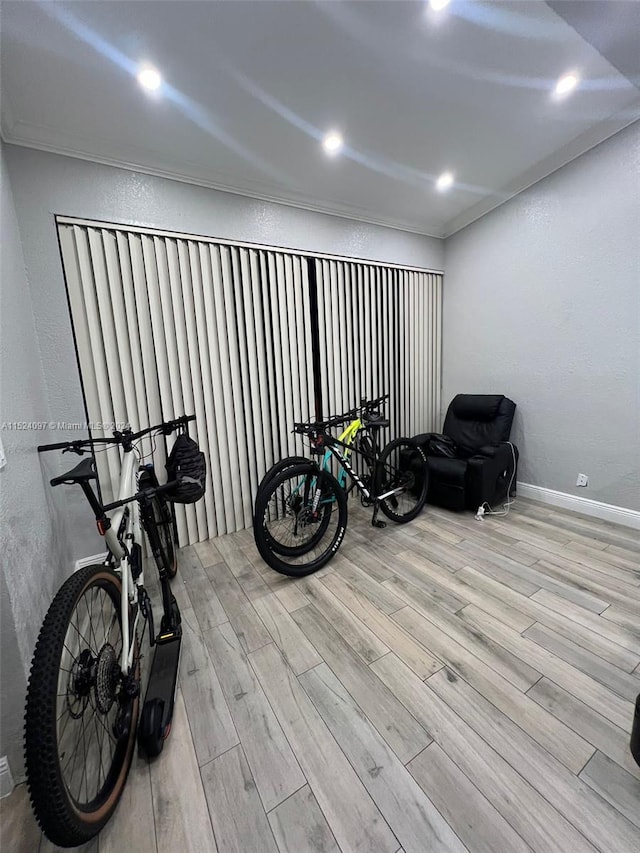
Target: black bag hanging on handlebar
x,y
186,464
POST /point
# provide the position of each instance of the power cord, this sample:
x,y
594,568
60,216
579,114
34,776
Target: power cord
x,y
486,509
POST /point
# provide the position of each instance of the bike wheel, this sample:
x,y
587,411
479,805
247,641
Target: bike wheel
x,y
402,470
80,722
274,471
287,548
293,536
278,468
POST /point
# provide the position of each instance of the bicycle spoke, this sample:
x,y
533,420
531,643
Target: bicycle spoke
x,y
91,631
73,756
99,769
104,630
82,740
64,728
80,637
109,734
97,719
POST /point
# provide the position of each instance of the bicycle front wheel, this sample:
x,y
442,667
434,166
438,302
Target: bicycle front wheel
x,y
161,518
300,520
402,478
157,521
80,722
276,469
280,466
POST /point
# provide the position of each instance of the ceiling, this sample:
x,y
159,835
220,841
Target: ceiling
x,y
250,88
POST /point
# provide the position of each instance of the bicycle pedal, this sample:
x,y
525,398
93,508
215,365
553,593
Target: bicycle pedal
x,y
377,523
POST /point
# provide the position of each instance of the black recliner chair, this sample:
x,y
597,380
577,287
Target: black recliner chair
x,y
471,462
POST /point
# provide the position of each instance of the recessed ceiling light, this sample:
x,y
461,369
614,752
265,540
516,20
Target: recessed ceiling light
x,y
445,181
149,78
437,5
332,143
567,83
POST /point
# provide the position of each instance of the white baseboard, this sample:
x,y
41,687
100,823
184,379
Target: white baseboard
x,y
91,561
6,779
587,506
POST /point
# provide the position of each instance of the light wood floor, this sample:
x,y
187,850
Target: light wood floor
x,y
444,685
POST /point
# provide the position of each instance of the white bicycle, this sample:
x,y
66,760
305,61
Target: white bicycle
x,y
83,697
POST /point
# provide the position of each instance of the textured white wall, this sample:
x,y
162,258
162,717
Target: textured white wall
x,y
34,559
542,303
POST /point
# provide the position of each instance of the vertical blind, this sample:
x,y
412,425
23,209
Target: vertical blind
x,y
380,332
173,324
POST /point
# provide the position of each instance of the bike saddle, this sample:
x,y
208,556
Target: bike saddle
x,y
375,420
82,473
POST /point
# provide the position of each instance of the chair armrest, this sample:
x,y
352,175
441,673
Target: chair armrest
x,y
424,437
491,473
440,445
488,450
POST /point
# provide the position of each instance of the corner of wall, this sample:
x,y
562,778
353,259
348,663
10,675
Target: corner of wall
x,y
541,302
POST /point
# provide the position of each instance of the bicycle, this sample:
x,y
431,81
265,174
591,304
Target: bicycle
x,y
366,418
83,696
301,510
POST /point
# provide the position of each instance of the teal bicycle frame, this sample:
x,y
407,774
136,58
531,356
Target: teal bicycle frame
x,y
347,438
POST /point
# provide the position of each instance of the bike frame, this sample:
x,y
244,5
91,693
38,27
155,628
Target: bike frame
x,y
121,553
121,544
343,461
347,438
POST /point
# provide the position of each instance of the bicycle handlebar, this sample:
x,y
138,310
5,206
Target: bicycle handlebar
x,y
372,404
77,444
339,419
167,427
118,437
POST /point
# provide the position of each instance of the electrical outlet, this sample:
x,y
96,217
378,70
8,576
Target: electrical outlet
x,y
583,480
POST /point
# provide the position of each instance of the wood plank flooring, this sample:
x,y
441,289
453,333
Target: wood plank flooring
x,y
446,685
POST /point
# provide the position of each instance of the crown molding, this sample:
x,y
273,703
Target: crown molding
x,y
583,143
11,137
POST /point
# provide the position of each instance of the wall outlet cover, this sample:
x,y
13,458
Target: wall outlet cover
x,y
583,480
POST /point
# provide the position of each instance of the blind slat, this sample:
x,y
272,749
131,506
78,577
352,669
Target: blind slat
x,y
380,333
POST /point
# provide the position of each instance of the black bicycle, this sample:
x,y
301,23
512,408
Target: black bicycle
x,y
301,512
83,697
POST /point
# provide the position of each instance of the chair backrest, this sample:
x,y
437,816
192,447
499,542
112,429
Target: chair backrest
x,y
474,420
